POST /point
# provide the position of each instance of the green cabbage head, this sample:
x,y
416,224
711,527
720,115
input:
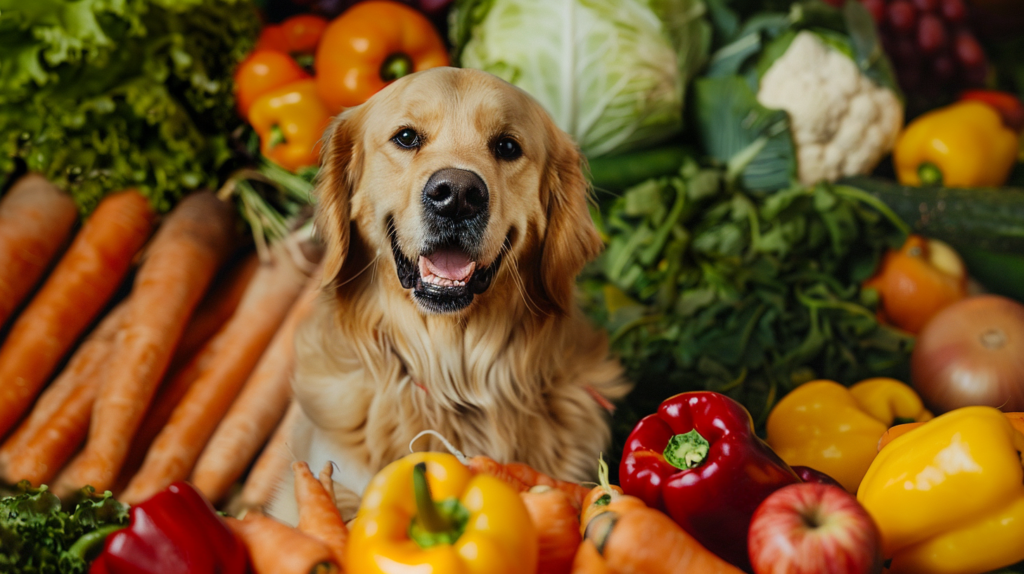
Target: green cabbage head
x,y
612,73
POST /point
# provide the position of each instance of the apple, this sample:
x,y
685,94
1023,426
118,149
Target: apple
x,y
812,528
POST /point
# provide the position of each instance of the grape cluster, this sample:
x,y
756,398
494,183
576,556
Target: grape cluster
x,y
930,44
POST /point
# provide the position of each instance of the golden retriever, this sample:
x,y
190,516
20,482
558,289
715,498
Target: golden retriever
x,y
455,219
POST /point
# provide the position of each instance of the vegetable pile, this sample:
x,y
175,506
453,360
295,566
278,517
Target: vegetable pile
x,y
105,96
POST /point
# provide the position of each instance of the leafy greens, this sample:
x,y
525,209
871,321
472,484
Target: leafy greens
x,y
104,95
705,286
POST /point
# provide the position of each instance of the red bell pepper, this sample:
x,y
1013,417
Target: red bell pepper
x,y
698,460
174,532
1008,105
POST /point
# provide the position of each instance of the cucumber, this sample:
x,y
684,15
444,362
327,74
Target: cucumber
x,y
986,219
619,172
984,225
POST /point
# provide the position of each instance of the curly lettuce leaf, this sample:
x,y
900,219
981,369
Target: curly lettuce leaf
x,y
104,95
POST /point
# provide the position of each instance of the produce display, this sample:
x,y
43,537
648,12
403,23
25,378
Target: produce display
x,y
813,275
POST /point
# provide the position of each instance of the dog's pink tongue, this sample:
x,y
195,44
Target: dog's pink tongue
x,y
450,264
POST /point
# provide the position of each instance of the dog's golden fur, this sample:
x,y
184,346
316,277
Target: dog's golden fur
x,y
512,376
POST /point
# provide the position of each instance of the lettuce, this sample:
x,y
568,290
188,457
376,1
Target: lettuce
x,y
104,95
612,73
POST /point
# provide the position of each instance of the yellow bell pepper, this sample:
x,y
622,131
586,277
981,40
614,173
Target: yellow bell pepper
x,y
834,429
948,497
428,514
961,145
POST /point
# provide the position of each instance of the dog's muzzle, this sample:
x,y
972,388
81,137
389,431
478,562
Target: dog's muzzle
x,y
447,273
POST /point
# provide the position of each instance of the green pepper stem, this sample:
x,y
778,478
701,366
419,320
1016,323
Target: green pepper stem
x,y
930,174
277,136
426,510
86,543
685,451
395,66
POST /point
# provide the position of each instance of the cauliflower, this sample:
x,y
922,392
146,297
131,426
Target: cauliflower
x,y
841,121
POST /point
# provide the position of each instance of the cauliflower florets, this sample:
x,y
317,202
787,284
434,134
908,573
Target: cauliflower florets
x,y
842,122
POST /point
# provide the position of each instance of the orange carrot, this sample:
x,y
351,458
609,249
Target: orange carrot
x,y
603,496
272,463
532,477
77,290
558,528
646,541
215,309
318,516
256,411
35,221
275,548
237,348
327,482
589,561
186,252
489,466
59,421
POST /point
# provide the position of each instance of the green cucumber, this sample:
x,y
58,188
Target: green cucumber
x,y
984,225
620,172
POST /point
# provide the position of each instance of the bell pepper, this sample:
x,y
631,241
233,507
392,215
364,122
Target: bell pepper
x,y
428,514
299,34
964,144
948,497
698,460
371,45
290,122
174,532
834,429
262,72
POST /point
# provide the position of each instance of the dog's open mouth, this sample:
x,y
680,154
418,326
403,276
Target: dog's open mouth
x,y
445,278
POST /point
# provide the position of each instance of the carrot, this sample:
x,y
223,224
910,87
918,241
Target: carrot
x,y
271,464
213,311
645,541
275,548
187,250
35,222
558,528
489,466
589,561
77,290
328,482
60,419
601,497
318,516
236,349
256,411
532,477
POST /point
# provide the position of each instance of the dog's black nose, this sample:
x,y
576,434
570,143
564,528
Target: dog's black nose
x,y
455,194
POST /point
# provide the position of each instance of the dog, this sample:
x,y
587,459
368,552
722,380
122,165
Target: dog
x,y
455,219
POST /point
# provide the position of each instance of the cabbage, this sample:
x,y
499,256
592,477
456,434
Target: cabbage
x,y
612,73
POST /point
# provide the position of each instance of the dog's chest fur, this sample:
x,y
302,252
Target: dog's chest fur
x,y
372,373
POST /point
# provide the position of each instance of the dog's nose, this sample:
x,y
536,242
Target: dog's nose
x,y
455,194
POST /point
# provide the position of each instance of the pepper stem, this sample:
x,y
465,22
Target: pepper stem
x,y
84,545
426,511
277,136
395,66
685,451
435,522
929,173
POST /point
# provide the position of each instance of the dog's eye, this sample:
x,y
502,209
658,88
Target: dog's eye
x,y
507,149
407,138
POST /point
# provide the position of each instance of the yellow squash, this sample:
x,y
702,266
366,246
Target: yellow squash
x,y
428,514
948,497
834,429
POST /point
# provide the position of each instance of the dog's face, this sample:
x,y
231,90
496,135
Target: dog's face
x,y
460,180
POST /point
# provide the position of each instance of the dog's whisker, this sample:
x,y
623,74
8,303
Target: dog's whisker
x,y
372,263
517,278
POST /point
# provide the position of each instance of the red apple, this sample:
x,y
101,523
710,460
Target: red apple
x,y
812,528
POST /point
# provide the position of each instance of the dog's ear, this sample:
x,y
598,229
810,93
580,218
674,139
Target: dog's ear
x,y
339,174
571,239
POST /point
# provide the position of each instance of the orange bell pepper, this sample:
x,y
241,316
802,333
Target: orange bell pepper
x,y
290,122
296,35
371,45
262,72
